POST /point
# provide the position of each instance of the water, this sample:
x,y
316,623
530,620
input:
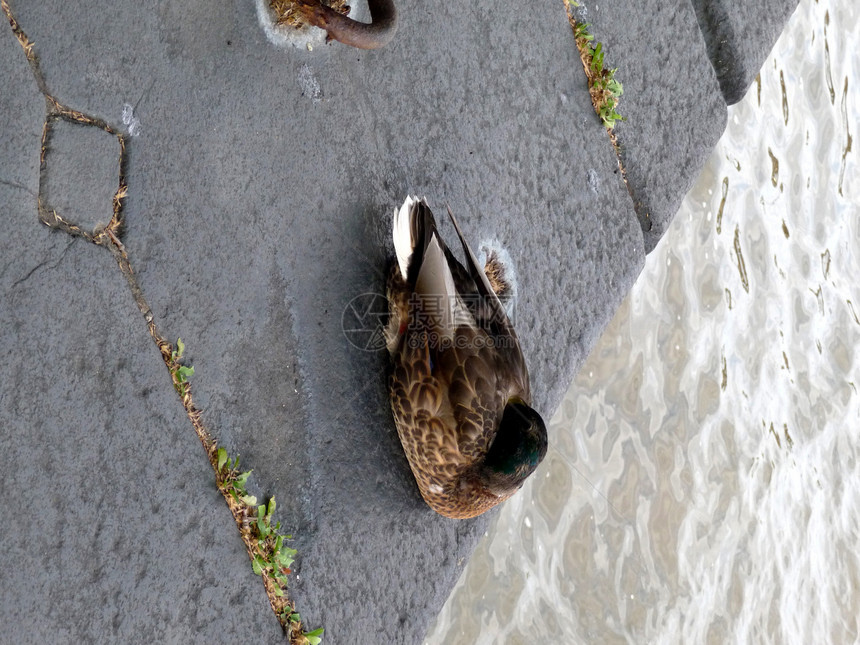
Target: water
x,y
703,483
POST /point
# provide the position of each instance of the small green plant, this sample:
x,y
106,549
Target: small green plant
x,y
314,637
180,373
271,558
288,615
604,88
581,31
233,481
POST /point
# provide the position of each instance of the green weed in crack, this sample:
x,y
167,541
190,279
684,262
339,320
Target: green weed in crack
x,y
271,558
180,373
604,88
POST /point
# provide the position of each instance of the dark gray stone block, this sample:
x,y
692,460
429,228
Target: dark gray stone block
x,y
672,102
739,37
81,173
112,528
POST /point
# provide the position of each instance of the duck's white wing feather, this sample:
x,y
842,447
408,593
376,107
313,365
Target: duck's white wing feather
x,y
404,242
441,303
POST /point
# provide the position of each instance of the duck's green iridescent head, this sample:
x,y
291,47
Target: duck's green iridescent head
x,y
518,447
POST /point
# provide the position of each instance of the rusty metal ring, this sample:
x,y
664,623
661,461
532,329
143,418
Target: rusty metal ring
x,y
377,33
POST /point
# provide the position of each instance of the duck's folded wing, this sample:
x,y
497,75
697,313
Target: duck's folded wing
x,y
473,391
490,315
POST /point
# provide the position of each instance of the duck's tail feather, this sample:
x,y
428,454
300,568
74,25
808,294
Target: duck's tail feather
x,y
413,230
475,270
404,242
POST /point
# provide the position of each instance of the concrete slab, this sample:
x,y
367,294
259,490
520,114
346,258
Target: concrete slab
x,y
739,37
112,528
672,102
117,533
81,173
261,187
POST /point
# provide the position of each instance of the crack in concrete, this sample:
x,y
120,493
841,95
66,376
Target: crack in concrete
x,y
108,237
15,184
43,263
47,214
642,215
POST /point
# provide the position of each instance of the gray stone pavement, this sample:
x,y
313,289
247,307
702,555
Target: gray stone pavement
x,y
111,525
672,101
739,36
261,186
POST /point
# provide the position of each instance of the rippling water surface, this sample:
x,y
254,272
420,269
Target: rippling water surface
x,y
703,481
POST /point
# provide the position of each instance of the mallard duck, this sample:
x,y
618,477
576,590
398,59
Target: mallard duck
x,y
459,386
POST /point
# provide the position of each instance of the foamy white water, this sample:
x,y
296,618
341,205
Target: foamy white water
x,y
703,480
